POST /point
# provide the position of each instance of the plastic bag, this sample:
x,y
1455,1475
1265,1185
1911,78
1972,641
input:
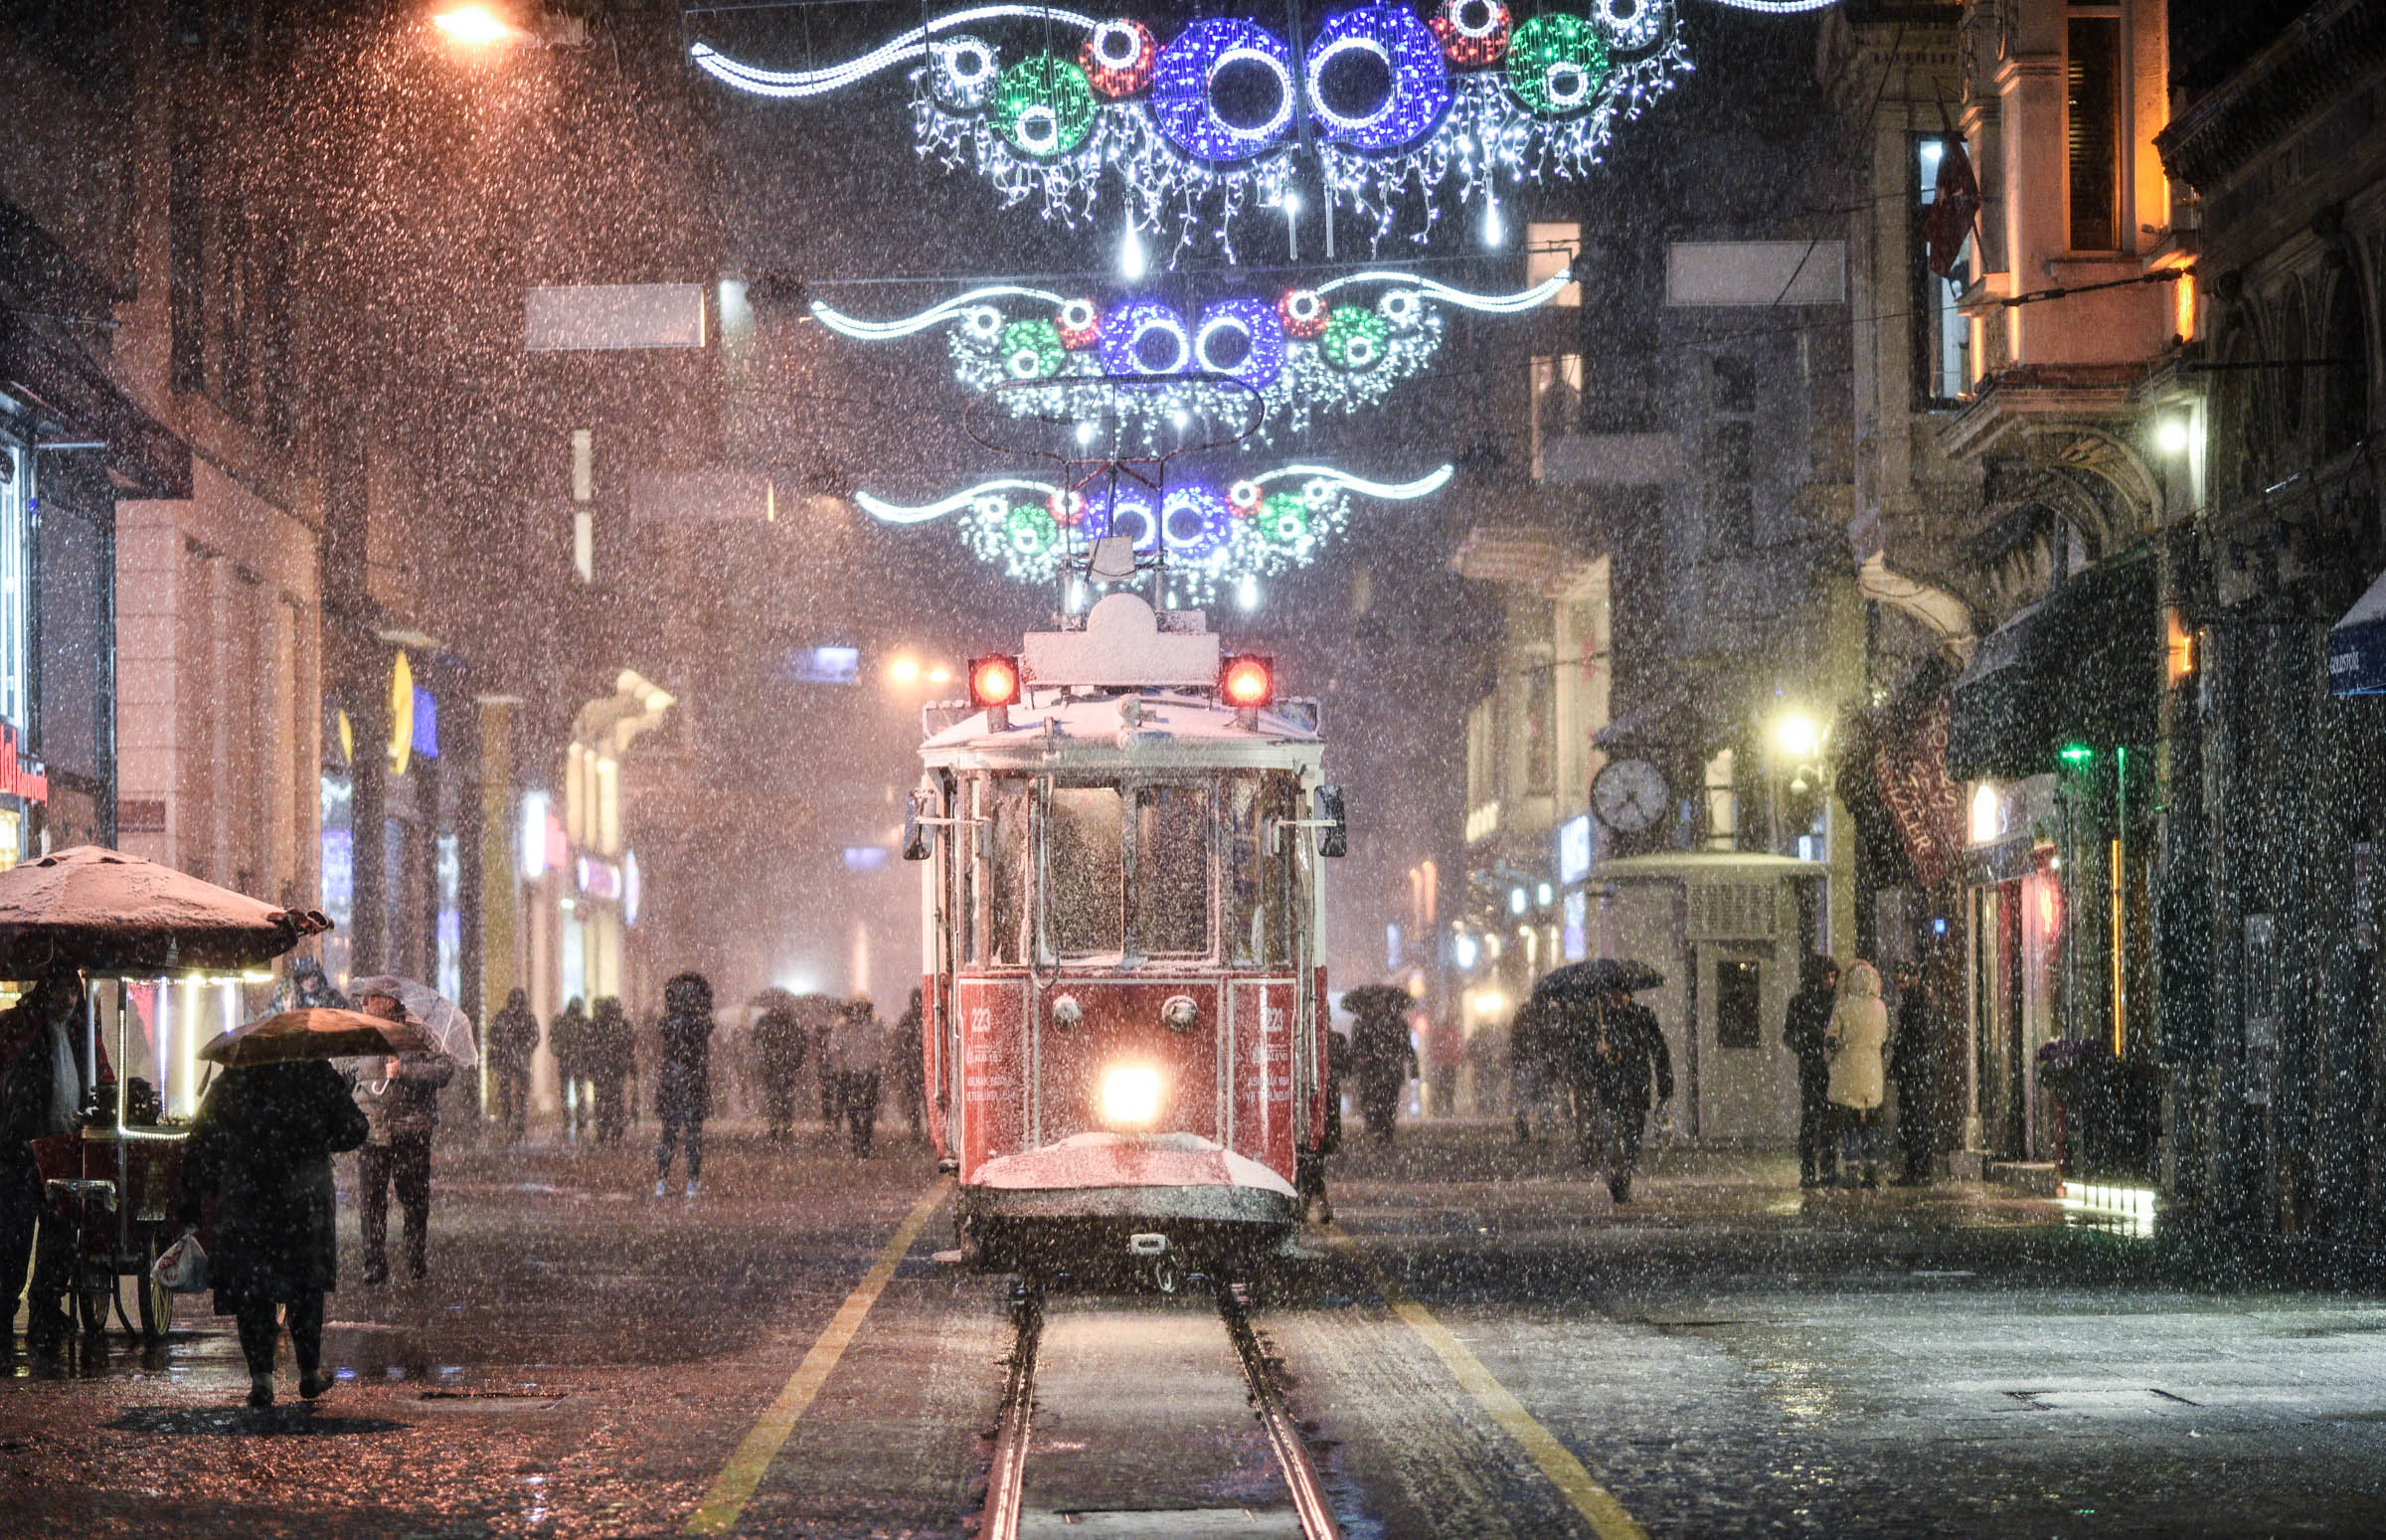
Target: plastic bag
x,y
182,1268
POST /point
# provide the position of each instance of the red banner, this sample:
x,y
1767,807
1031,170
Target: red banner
x,y
1925,803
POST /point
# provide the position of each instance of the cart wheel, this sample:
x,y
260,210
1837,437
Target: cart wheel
x,y
91,1299
156,1302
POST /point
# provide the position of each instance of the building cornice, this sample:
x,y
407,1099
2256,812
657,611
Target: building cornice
x,y
2319,60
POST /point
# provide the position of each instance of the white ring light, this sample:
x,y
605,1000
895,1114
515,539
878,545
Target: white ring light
x,y
1145,326
1283,95
984,322
1209,329
1025,364
1116,45
1359,352
1327,55
1039,129
1149,531
1401,307
1567,84
1306,307
1491,19
1079,314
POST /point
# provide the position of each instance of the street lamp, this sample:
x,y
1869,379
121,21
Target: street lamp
x,y
475,26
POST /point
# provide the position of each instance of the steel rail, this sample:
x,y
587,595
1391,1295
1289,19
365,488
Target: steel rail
x,y
1283,1434
1006,1477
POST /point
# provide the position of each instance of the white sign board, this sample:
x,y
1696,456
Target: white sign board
x,y
578,316
1756,272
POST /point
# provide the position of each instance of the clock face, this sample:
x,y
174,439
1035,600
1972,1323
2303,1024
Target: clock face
x,y
1629,795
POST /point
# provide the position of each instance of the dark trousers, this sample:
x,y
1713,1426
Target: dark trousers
x,y
405,1162
512,1085
260,1331
1916,1139
1817,1156
681,1127
25,1218
1858,1130
1615,1149
778,1107
857,1096
612,1108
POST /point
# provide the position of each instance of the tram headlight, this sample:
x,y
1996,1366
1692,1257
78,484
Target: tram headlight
x,y
1131,1096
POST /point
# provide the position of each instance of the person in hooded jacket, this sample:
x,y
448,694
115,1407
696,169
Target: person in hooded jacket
x,y
1858,1037
513,1042
1805,1027
41,1071
1914,1063
401,1105
262,1147
857,1055
908,1063
568,1041
1385,1061
611,1054
779,1046
683,1091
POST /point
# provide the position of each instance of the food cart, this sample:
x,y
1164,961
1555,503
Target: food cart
x,y
165,958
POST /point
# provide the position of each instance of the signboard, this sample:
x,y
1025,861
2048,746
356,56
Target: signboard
x,y
1574,848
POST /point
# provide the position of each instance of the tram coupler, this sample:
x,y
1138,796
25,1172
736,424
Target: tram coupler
x,y
1153,1254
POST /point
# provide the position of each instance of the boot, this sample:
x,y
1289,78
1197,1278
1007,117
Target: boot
x,y
261,1391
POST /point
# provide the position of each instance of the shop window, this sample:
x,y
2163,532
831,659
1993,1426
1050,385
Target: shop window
x,y
1941,334
1171,892
1739,1003
2093,105
1084,871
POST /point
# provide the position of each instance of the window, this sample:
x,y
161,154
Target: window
x,y
1084,871
2093,120
1540,771
1171,892
1557,399
1941,334
1731,508
186,263
1739,1003
1262,874
1002,870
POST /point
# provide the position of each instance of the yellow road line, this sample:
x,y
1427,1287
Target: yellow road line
x,y
1594,1502
719,1512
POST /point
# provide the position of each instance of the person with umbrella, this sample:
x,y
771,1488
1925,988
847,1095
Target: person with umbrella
x,y
1614,1050
401,1104
262,1147
1382,1055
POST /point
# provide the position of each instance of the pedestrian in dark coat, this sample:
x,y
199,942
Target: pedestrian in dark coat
x,y
1803,1028
568,1041
401,1105
41,1070
780,1044
513,1043
1914,1067
1622,1052
908,1063
262,1147
856,1058
683,1087
1385,1061
611,1054
1536,1066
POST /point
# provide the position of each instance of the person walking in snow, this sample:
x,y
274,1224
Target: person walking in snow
x,y
857,1054
1805,1028
683,1091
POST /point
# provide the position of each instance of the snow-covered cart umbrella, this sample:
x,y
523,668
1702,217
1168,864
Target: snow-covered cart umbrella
x,y
316,1032
102,911
449,1028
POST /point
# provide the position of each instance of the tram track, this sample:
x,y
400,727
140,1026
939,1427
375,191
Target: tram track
x,y
1169,1416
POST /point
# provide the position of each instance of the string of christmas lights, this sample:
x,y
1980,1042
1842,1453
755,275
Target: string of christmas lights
x,y
1209,537
1404,114
1304,351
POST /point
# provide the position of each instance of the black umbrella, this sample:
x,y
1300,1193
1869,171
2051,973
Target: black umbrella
x,y
1579,981
1373,999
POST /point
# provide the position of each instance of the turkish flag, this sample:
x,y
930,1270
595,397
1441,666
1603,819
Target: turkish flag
x,y
1956,203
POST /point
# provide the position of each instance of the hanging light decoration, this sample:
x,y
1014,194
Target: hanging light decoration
x,y
1342,345
1406,114
1210,538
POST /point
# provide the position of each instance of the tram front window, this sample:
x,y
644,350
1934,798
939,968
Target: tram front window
x,y
1004,878
1084,871
1172,871
1259,906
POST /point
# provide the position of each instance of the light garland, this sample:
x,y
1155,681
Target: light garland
x,y
1339,346
1406,113
1209,537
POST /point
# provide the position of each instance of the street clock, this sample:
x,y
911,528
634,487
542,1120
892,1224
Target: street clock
x,y
1629,795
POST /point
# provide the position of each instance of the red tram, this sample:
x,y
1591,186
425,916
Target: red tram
x,y
1123,1009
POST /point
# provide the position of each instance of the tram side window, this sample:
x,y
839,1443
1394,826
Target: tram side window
x,y
1085,874
1003,878
1259,891
1172,871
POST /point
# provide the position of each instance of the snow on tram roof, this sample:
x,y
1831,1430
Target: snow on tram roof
x,y
1146,726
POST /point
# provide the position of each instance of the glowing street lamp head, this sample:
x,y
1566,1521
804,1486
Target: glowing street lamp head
x,y
1798,735
904,670
475,26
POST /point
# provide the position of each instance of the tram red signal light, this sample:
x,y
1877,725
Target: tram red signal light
x,y
994,680
1249,680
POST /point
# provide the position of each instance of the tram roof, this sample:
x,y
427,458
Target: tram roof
x,y
1143,729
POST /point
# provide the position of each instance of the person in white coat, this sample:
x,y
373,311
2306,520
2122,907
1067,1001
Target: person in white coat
x,y
1858,1039
855,1056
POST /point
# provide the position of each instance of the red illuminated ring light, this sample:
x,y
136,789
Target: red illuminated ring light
x,y
994,680
1247,681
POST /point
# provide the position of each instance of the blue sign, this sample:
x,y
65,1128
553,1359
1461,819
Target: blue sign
x,y
829,665
427,724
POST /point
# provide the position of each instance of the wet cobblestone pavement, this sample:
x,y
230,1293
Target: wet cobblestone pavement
x,y
1724,1356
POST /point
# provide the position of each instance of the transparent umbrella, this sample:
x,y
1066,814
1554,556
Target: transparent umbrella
x,y
449,1026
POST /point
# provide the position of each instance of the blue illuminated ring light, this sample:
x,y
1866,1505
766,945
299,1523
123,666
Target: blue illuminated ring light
x,y
1181,80
1419,90
1123,331
1262,332
1195,521
1131,515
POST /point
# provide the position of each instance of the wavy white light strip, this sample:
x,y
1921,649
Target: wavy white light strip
x,y
1532,298
883,331
1391,491
1776,7
920,513
912,44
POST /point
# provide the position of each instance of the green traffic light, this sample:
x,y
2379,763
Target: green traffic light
x,y
2077,755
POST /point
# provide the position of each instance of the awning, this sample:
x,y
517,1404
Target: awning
x,y
2357,645
2084,665
63,383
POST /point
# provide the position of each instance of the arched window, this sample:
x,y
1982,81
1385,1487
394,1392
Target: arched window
x,y
2344,407
2294,345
